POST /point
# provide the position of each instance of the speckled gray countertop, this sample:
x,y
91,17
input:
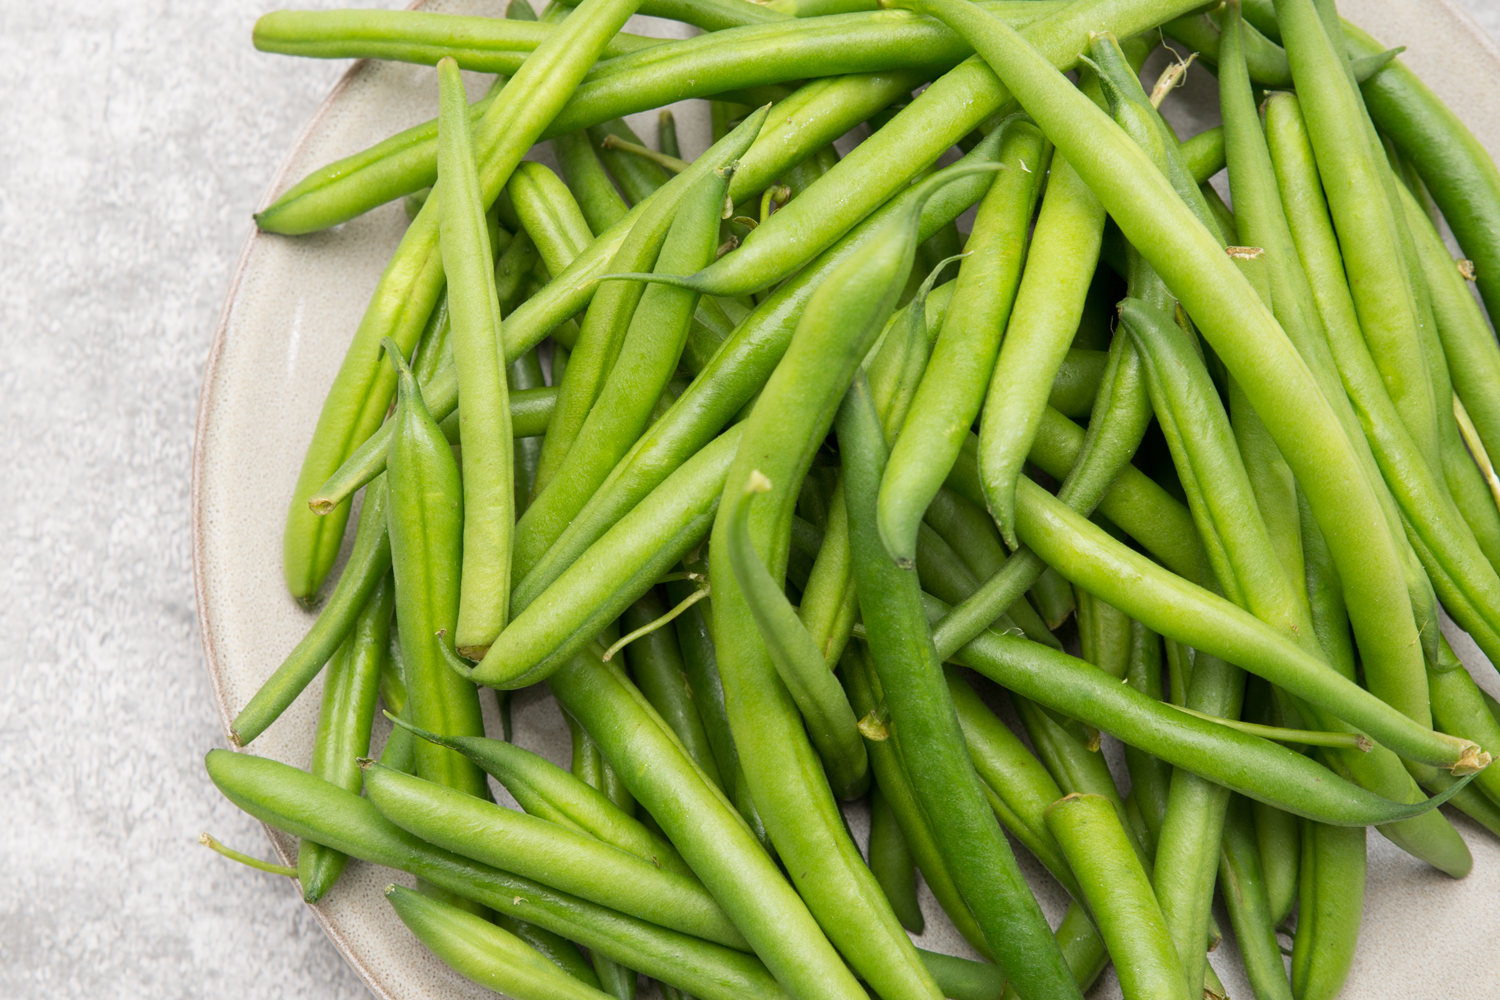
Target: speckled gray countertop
x,y
137,136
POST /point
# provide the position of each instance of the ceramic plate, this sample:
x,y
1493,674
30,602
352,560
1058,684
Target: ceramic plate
x,y
293,305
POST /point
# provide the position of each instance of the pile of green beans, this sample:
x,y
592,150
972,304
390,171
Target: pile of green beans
x,y
788,489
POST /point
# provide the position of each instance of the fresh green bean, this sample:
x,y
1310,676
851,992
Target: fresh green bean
x,y
600,203
1246,894
637,176
413,280
1119,896
483,952
657,666
549,214
523,375
304,806
532,847
1330,904
953,385
547,791
927,729
489,498
713,838
892,864
797,658
368,563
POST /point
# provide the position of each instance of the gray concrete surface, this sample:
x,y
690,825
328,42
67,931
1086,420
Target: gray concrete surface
x,y
135,136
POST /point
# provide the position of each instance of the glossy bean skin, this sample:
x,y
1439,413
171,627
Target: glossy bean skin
x,y
1248,900
344,721
1253,347
568,859
413,280
953,386
893,866
713,838
927,729
1119,896
1330,903
368,563
482,952
549,213
304,806
545,790
489,499
657,666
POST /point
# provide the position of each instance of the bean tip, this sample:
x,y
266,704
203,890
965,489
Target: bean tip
x,y
1471,760
758,483
320,505
365,763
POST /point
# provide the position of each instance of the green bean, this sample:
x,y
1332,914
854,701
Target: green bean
x,y
484,409
1431,521
666,133
493,45
1018,787
550,215
1458,322
600,203
714,840
928,733
1252,345
701,670
1120,898
952,388
644,361
547,791
536,848
1246,764
656,664
413,280
892,864
294,801
1104,634
1331,901
1247,898
789,421
796,656
1150,779
736,373
1093,560
344,721
868,699
482,952
636,176
369,561
710,15
524,375
530,410
963,979
425,523
1458,709
1073,391
943,114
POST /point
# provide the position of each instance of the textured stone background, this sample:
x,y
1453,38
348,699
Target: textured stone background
x,y
137,136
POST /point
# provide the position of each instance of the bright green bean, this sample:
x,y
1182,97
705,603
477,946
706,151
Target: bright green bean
x,y
1247,898
953,386
1331,903
304,806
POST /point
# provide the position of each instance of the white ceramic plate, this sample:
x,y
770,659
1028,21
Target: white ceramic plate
x,y
291,308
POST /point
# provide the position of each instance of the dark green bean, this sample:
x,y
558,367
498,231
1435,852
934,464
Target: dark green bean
x,y
657,666
893,866
927,728
1247,897
525,375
